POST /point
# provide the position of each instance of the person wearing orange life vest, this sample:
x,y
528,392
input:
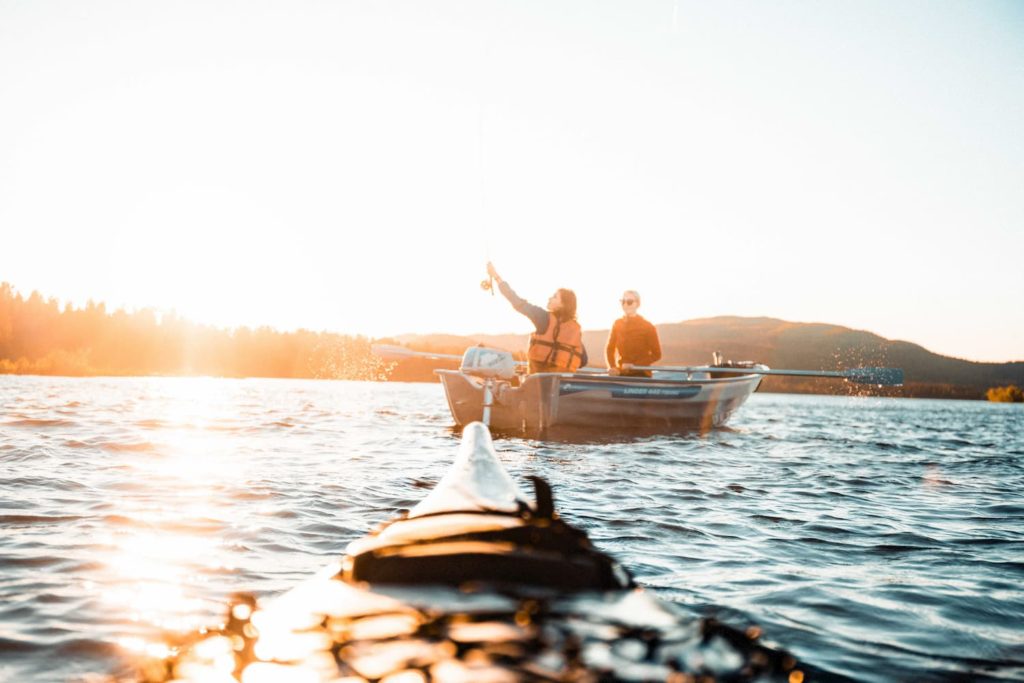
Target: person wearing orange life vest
x,y
557,344
632,340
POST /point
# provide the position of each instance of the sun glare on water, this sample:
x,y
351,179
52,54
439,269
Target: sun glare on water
x,y
152,575
170,546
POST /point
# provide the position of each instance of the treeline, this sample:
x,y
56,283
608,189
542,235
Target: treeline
x,y
39,336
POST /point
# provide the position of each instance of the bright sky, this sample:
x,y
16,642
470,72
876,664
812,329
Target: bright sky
x,y
351,165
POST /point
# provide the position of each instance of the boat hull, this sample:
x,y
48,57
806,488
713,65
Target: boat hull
x,y
555,401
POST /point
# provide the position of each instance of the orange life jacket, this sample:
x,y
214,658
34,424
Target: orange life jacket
x,y
559,349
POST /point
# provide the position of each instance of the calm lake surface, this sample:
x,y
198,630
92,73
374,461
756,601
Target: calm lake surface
x,y
875,539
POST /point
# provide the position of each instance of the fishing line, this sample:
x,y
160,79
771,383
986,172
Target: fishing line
x,y
488,284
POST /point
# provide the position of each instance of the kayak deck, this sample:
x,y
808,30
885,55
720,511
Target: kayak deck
x,y
467,624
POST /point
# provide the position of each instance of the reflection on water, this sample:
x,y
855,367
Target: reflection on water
x,y
873,538
152,583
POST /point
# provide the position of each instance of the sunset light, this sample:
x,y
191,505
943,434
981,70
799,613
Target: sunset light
x,y
499,341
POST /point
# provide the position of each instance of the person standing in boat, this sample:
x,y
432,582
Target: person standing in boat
x,y
557,344
632,341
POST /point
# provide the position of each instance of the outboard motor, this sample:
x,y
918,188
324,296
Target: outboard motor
x,y
490,365
481,361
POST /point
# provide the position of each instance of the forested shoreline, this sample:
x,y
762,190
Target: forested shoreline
x,y
38,336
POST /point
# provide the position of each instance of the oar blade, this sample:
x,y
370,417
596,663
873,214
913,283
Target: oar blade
x,y
887,377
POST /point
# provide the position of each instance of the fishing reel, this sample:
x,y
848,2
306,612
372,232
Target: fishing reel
x,y
488,285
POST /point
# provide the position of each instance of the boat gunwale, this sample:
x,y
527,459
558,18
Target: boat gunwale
x,y
618,379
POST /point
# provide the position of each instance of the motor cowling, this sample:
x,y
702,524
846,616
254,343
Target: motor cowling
x,y
481,361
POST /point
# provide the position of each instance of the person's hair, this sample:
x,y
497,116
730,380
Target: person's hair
x,y
635,294
568,311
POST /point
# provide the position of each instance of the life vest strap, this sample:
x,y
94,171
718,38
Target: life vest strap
x,y
558,346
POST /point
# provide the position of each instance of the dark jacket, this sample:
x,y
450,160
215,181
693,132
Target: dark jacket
x,y
632,340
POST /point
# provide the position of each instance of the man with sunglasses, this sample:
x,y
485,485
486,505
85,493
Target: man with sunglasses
x,y
632,341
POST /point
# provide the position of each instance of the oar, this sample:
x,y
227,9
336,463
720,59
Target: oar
x,y
890,377
392,352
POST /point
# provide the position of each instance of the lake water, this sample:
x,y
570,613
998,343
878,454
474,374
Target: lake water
x,y
875,539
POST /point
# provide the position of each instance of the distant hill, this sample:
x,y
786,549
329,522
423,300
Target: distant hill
x,y
777,343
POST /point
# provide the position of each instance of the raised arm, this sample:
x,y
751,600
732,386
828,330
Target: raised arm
x,y
537,315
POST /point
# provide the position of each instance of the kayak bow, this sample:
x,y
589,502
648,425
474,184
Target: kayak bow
x,y
473,584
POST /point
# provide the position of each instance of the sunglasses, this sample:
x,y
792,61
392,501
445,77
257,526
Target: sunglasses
x,y
627,302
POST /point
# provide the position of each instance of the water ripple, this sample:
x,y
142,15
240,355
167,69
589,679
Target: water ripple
x,y
877,539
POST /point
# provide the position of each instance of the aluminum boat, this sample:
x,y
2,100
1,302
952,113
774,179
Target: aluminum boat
x,y
546,402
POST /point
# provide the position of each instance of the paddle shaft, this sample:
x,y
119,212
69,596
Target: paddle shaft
x,y
388,351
